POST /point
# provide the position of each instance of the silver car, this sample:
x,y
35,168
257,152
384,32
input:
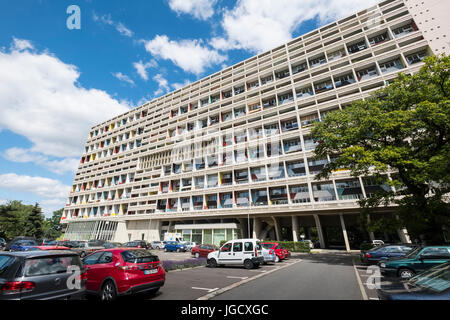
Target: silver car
x,y
269,255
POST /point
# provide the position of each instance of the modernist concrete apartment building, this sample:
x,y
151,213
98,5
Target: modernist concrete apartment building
x,y
231,155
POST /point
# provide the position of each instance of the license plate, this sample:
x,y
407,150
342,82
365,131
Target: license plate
x,y
151,271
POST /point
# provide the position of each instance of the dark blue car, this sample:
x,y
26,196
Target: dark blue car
x,y
174,246
387,252
433,284
22,245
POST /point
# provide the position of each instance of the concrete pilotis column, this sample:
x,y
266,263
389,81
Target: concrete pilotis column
x,y
243,226
256,228
403,235
294,228
344,231
319,231
277,229
371,234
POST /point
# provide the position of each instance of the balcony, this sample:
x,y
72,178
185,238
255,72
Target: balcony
x,y
317,61
269,103
391,66
278,196
354,48
305,93
258,174
285,98
296,169
282,74
379,39
299,194
336,55
239,90
404,30
292,146
259,198
266,80
299,68
241,176
344,80
226,200
289,125
323,87
366,74
416,57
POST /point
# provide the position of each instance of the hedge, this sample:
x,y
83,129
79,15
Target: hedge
x,y
170,265
290,245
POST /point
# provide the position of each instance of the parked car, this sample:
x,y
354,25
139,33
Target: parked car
x,y
83,248
387,252
287,253
123,271
189,245
433,284
39,275
279,252
21,245
378,243
174,246
309,242
141,244
2,244
110,245
269,255
157,245
246,252
16,239
417,260
202,250
45,248
96,243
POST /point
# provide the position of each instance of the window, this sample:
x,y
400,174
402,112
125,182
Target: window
x,y
259,197
436,253
93,258
316,166
289,125
404,30
344,80
367,73
379,39
258,174
237,247
248,246
106,258
304,92
391,66
296,168
226,247
242,198
293,145
239,89
349,189
299,194
323,192
323,86
266,80
317,61
47,266
416,57
353,48
285,98
278,195
299,68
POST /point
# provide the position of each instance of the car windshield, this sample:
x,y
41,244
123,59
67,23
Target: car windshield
x,y
50,265
26,243
139,256
267,245
436,279
5,262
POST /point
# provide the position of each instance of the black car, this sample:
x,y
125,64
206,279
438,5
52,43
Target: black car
x,y
385,252
41,275
433,284
137,244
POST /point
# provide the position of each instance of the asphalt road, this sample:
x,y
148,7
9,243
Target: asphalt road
x,y
316,277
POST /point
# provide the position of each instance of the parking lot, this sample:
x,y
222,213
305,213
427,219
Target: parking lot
x,y
198,282
368,276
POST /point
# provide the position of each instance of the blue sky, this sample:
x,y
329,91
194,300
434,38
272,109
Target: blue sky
x,y
56,83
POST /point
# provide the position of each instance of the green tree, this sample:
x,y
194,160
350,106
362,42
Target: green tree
x,y
53,228
34,226
13,217
402,128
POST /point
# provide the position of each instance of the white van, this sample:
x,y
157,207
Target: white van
x,y
246,252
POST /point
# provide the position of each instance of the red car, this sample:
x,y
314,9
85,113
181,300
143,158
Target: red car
x,y
279,252
122,271
47,248
202,250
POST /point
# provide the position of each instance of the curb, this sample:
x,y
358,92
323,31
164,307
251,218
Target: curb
x,y
237,284
361,286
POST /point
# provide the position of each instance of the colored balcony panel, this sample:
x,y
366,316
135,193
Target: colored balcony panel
x,y
258,174
278,195
296,168
324,192
299,194
259,197
349,189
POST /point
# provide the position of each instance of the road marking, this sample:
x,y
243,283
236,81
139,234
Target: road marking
x,y
361,287
374,299
242,278
205,289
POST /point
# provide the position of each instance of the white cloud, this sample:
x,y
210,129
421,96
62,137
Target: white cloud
x,y
20,45
120,27
124,30
163,85
177,86
39,186
57,166
123,77
260,25
190,55
141,68
41,99
200,9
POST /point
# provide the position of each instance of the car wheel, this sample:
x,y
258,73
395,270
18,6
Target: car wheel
x,y
108,292
277,259
178,250
212,263
405,273
197,255
165,250
248,264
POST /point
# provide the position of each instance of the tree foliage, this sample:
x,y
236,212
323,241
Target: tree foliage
x,y
401,128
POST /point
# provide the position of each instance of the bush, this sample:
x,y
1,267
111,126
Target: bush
x,y
223,242
170,265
